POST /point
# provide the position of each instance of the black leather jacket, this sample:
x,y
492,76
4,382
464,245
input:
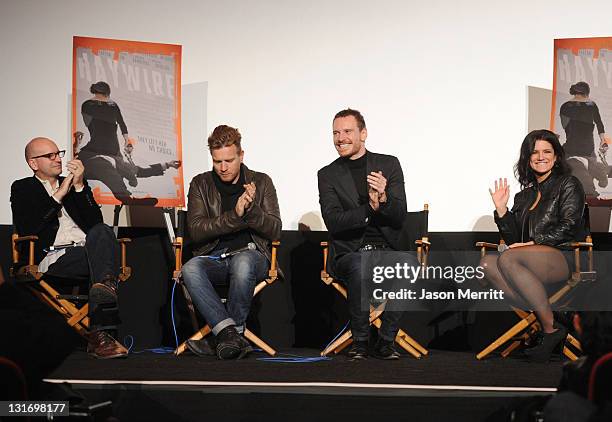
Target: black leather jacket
x,y
557,219
206,222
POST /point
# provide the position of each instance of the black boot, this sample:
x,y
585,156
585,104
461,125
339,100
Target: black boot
x,y
385,349
359,350
201,347
549,341
229,343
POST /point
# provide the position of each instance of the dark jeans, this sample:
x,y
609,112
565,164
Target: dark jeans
x,y
242,271
98,259
350,270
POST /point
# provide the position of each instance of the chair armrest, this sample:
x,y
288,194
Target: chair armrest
x,y
20,239
487,245
273,271
125,271
581,244
15,239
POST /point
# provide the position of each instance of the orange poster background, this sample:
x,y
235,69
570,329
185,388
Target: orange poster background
x,y
135,47
575,45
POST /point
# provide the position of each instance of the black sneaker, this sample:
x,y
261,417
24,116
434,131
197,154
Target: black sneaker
x,y
385,349
359,350
229,343
200,347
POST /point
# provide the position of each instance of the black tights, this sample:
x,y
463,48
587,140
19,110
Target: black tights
x,y
522,273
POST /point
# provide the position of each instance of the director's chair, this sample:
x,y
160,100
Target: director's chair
x,y
414,232
200,333
528,324
65,304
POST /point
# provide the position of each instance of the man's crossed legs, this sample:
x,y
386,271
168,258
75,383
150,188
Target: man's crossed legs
x,y
242,272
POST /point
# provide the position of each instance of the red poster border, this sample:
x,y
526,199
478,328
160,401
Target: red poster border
x,y
118,46
574,44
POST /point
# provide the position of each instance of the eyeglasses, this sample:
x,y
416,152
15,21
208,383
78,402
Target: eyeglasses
x,y
52,155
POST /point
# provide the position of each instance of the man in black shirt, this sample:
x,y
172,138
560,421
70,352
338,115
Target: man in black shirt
x,y
229,208
363,204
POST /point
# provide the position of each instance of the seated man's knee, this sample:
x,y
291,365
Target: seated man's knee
x,y
244,265
193,270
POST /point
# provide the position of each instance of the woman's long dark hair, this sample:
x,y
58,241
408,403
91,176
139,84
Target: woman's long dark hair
x,y
522,169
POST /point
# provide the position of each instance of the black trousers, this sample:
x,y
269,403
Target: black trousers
x,y
92,263
351,268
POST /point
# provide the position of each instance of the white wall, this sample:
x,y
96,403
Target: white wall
x,y
442,84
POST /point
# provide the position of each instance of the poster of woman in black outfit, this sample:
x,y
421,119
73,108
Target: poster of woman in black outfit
x,y
579,116
102,157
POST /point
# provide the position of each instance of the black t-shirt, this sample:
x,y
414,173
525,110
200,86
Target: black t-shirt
x,y
578,119
230,192
358,168
102,118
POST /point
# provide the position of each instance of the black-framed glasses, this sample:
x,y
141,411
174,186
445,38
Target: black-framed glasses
x,y
52,155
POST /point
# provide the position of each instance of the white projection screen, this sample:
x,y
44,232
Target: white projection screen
x,y
447,87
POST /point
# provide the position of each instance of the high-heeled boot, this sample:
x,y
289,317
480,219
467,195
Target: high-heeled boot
x,y
549,341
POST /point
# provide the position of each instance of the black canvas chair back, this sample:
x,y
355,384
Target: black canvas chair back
x,y
416,227
182,253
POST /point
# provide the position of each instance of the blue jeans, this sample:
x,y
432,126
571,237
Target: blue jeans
x,y
242,271
350,270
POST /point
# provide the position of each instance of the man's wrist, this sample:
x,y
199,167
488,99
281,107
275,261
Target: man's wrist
x,y
373,207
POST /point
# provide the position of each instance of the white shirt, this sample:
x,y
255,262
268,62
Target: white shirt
x,y
68,232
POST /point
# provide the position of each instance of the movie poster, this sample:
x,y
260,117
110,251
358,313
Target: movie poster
x,y
582,109
126,120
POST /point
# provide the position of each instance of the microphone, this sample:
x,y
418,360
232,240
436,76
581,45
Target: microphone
x,y
250,247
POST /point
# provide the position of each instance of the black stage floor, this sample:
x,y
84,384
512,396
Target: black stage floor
x,y
442,386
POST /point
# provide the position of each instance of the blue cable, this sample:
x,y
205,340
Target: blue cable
x,y
289,358
337,335
172,313
157,350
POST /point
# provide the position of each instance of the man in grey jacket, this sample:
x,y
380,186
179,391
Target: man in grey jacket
x,y
229,209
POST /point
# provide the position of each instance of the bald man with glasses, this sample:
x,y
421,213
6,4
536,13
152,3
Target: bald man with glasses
x,y
63,213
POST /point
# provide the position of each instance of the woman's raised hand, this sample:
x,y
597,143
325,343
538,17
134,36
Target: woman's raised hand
x,y
500,196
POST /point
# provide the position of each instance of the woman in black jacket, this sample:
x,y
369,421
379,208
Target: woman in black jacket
x,y
546,217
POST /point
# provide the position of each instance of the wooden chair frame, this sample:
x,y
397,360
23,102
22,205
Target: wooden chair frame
x,y
406,342
528,324
34,280
204,331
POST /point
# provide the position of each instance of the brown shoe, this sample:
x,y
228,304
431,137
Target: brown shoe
x,y
104,292
102,346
